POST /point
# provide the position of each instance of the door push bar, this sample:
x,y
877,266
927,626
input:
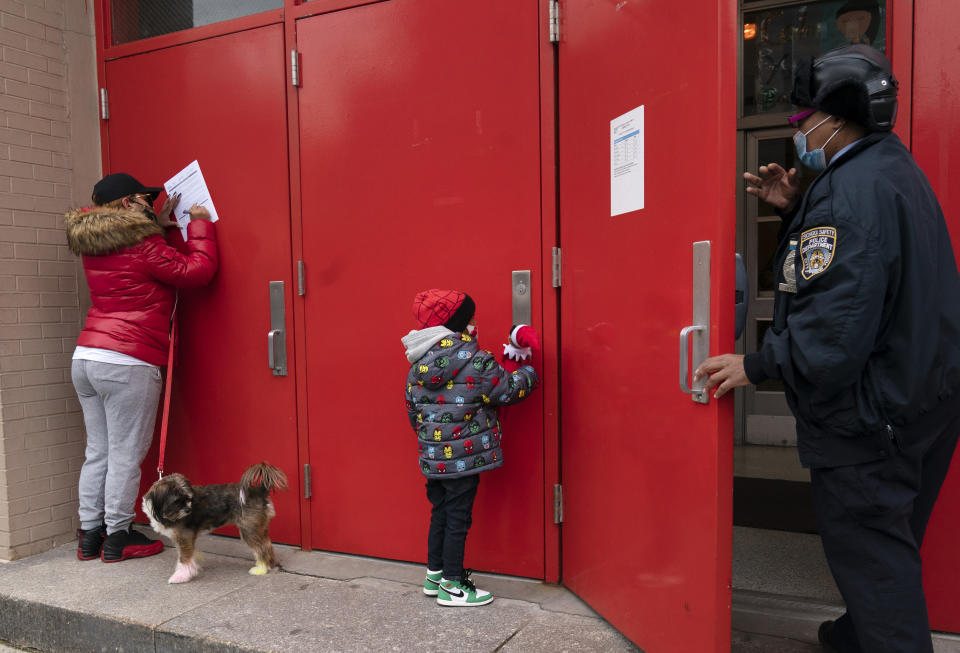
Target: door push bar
x,y
695,339
520,296
276,337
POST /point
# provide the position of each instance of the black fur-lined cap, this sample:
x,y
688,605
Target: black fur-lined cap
x,y
854,82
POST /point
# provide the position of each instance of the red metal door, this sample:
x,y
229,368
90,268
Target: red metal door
x,y
936,146
420,167
647,473
204,101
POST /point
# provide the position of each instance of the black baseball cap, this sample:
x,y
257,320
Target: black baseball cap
x,y
120,184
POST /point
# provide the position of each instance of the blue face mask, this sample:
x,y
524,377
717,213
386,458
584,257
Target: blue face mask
x,y
817,159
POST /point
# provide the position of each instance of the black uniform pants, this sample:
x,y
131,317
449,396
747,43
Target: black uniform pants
x,y
872,519
450,520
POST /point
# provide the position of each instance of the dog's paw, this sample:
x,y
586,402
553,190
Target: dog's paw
x,y
260,569
184,572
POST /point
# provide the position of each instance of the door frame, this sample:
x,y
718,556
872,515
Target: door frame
x,y
764,403
550,238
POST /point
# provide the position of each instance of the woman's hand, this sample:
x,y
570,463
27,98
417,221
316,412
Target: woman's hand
x,y
197,212
169,205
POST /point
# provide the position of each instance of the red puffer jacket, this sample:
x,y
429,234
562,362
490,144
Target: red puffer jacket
x,y
132,274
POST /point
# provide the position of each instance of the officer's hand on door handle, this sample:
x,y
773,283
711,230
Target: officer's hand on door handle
x,y
775,186
725,370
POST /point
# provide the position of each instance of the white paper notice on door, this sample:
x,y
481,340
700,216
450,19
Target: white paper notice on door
x,y
193,190
626,162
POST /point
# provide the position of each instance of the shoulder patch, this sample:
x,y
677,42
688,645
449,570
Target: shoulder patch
x,y
817,249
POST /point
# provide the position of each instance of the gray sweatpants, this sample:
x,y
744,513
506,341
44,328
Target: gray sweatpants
x,y
119,410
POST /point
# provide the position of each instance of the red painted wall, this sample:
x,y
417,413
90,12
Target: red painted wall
x,y
936,103
935,131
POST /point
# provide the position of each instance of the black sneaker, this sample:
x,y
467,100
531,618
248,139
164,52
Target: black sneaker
x,y
90,542
129,544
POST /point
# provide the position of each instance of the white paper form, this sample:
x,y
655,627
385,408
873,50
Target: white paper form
x,y
193,190
626,162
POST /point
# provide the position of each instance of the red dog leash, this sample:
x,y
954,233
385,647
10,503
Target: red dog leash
x,y
165,419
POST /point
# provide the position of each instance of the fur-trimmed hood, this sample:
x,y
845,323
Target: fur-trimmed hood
x,y
101,229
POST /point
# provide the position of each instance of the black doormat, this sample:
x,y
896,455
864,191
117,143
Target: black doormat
x,y
773,504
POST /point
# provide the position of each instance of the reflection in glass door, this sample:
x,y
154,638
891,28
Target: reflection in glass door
x,y
776,36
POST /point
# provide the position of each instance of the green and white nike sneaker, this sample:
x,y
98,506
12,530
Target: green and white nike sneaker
x,y
461,593
432,582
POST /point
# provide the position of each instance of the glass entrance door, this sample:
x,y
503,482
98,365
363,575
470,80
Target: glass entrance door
x,y
776,34
766,416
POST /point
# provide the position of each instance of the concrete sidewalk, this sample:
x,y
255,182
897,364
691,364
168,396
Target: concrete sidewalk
x,y
317,602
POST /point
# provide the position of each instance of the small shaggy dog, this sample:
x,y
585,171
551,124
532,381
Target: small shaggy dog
x,y
182,512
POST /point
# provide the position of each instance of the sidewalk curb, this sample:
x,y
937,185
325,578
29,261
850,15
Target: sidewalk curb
x,y
53,629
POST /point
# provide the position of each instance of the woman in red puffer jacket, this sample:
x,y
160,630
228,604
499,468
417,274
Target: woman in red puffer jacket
x,y
133,275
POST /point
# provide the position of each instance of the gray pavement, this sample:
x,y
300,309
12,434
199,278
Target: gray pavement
x,y
316,602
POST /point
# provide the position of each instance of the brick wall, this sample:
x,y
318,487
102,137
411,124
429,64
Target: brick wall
x,y
48,125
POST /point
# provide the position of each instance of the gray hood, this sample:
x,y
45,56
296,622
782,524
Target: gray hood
x,y
418,343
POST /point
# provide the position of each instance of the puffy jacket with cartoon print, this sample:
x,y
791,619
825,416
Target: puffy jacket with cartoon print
x,y
452,393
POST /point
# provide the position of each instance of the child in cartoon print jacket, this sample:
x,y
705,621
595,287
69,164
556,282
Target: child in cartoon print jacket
x,y
453,390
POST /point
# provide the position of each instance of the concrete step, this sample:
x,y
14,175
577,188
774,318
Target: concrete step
x,y
782,563
797,619
782,587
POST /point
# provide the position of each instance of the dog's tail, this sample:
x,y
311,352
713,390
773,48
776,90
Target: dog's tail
x,y
263,475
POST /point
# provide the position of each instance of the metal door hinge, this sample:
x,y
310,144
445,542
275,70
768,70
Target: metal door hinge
x,y
104,105
554,21
557,504
294,67
301,280
556,267
307,492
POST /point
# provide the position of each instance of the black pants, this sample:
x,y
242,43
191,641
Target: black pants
x,y
450,520
872,520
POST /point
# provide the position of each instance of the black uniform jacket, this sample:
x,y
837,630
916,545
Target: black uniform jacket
x,y
866,332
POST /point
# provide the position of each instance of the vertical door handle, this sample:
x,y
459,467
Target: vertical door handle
x,y
699,332
276,337
273,337
685,362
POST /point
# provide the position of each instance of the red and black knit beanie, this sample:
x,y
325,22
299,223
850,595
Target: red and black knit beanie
x,y
450,308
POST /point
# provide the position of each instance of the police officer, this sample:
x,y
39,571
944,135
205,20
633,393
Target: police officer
x,y
866,339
